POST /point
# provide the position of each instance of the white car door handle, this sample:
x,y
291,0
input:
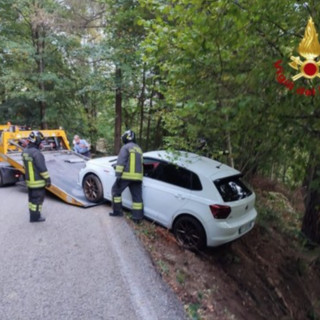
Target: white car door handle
x,y
179,196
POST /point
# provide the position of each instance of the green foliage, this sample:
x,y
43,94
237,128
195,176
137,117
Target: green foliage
x,y
33,70
216,61
164,269
181,277
193,311
191,71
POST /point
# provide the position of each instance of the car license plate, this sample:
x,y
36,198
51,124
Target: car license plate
x,y
245,227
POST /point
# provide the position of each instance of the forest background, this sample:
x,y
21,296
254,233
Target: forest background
x,y
194,75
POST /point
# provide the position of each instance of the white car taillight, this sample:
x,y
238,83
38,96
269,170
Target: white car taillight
x,y
220,211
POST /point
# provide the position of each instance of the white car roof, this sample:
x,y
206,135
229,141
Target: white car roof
x,y
198,164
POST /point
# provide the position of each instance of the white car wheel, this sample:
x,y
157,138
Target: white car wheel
x,y
92,188
189,233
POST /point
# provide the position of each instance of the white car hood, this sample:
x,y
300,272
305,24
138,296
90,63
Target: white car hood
x,y
103,162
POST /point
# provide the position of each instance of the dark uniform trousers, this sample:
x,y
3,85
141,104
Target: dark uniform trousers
x,y
36,199
136,192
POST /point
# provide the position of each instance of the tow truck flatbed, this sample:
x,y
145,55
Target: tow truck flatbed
x,y
63,164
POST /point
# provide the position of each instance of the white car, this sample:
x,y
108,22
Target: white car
x,y
204,202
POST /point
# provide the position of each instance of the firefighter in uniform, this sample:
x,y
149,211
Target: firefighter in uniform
x,y
36,175
129,173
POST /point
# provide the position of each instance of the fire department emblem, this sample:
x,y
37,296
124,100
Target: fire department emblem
x,y
309,48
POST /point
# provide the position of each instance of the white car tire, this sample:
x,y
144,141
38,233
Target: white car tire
x,y
92,188
189,233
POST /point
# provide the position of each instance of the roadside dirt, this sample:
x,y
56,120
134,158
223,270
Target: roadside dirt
x,y
270,273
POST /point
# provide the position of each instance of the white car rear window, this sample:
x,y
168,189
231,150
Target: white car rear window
x,y
232,188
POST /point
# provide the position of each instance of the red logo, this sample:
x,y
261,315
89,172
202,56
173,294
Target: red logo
x,y
309,49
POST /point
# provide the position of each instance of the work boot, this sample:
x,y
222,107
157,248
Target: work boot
x,y
136,221
40,219
116,214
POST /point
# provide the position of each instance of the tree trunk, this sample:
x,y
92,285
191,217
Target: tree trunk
x,y
141,103
311,219
149,121
159,130
38,36
229,145
91,114
118,111
42,103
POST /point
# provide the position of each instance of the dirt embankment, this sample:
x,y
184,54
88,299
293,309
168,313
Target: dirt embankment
x,y
268,274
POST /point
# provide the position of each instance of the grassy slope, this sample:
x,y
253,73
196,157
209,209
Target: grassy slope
x,y
271,273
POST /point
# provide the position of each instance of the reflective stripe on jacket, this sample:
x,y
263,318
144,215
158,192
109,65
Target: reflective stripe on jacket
x,y
130,162
36,172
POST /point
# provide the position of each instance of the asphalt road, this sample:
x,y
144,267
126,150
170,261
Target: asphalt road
x,y
80,264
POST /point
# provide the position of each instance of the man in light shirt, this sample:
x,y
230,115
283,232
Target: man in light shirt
x,y
81,146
